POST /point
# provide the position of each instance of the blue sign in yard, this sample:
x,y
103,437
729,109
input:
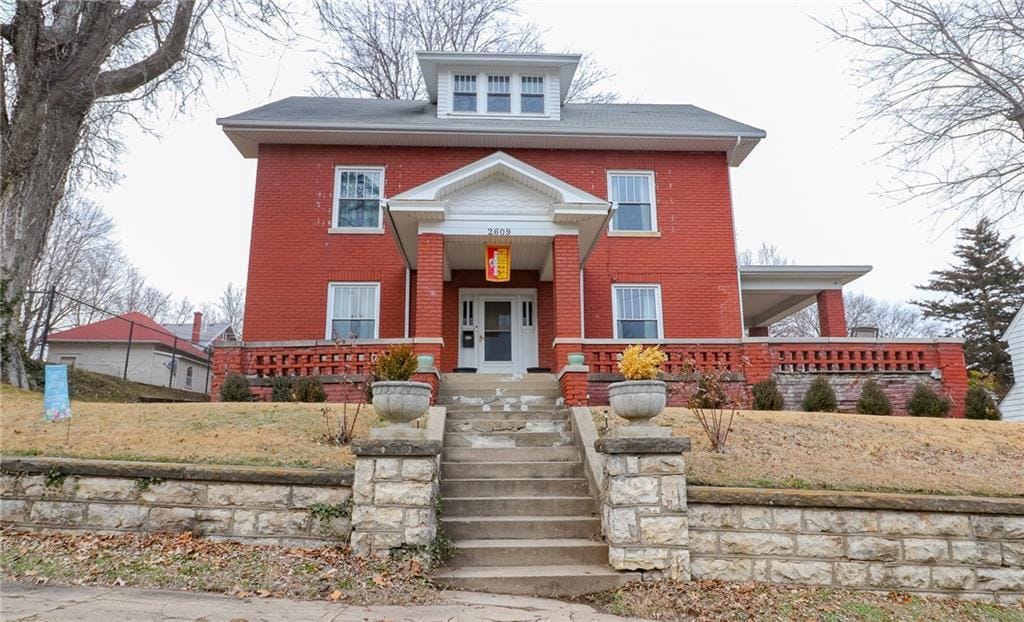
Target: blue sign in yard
x,y
56,404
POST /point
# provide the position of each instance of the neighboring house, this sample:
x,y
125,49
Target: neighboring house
x,y
155,356
200,334
1012,406
372,218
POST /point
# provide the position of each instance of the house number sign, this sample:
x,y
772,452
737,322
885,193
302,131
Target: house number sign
x,y
499,231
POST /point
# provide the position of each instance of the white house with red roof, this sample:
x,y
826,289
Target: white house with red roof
x,y
136,347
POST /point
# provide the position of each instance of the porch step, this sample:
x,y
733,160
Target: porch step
x,y
510,454
508,439
507,415
533,486
509,424
536,580
503,470
520,527
458,382
546,552
518,506
458,405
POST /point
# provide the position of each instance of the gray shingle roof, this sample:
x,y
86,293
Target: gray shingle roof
x,y
207,333
598,119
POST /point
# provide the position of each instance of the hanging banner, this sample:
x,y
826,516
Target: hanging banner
x,y
499,263
56,405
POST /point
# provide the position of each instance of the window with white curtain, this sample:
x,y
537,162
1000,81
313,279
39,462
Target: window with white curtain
x,y
532,95
353,311
464,94
634,194
499,94
357,198
188,376
637,311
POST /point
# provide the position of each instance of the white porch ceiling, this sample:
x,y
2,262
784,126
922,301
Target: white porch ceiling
x,y
771,293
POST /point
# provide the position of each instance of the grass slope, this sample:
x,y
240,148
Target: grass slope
x,y
90,386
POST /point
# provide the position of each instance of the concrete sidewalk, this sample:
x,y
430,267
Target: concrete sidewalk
x,y
20,602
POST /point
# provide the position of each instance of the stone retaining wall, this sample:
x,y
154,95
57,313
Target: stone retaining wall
x,y
275,506
957,546
897,386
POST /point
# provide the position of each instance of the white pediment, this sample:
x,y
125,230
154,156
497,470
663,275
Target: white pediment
x,y
498,195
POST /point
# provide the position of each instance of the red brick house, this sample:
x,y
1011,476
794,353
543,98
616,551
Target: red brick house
x,y
371,220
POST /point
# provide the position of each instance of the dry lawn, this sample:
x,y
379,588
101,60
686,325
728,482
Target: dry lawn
x,y
257,433
855,452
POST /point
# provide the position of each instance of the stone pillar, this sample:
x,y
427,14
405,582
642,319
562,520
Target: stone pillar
x,y
395,490
832,313
643,513
429,294
565,251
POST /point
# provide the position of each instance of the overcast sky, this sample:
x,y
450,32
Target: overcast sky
x,y
184,205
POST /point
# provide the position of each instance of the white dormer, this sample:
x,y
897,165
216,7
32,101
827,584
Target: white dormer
x,y
499,86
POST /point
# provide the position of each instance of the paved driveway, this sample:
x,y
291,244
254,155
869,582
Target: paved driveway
x,y
25,603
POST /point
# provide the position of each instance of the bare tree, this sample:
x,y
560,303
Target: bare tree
x,y
72,70
946,80
231,308
372,44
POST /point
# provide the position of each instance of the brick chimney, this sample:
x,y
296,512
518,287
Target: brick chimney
x,y
197,326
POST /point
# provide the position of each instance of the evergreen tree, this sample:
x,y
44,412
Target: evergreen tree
x,y
979,297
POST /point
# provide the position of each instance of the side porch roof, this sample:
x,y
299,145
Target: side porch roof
x,y
771,293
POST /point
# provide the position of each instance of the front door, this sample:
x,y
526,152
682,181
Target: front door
x,y
498,331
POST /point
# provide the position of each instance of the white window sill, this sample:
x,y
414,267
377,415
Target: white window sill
x,y
634,234
498,115
357,230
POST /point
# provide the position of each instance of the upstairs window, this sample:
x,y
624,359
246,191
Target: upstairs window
x,y
357,196
465,94
634,194
499,94
353,310
637,310
532,97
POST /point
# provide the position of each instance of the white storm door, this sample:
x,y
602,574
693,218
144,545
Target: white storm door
x,y
497,334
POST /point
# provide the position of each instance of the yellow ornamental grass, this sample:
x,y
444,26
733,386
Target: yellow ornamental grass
x,y
640,363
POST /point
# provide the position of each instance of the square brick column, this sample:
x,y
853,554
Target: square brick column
x,y
832,313
643,504
954,375
566,273
429,293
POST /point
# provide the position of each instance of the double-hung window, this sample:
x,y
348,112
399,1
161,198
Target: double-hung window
x,y
357,198
532,95
499,94
634,194
637,311
464,99
188,376
353,311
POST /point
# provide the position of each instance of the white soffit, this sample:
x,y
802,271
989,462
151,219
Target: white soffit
x,y
771,293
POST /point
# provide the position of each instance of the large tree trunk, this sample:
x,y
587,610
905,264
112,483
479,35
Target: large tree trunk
x,y
32,183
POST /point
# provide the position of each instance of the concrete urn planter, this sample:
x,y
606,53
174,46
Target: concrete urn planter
x,y
400,402
638,401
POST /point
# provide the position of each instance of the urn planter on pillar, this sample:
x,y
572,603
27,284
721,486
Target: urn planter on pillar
x,y
641,397
396,398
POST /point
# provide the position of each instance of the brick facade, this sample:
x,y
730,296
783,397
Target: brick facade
x,y
832,313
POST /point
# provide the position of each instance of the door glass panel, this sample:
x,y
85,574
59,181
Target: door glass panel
x,y
498,330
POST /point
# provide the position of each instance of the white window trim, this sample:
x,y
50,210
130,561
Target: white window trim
x,y
482,88
657,305
189,376
654,205
330,305
379,229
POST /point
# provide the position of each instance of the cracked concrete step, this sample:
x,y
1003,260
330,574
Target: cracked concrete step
x,y
507,415
536,487
522,395
539,581
540,552
517,506
476,407
506,425
508,439
510,454
505,470
520,527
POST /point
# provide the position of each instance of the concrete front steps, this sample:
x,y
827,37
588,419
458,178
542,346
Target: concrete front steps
x,y
514,498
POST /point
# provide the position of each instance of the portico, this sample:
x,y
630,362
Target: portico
x,y
443,227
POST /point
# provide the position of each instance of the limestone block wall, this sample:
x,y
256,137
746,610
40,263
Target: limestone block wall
x,y
957,546
268,506
898,386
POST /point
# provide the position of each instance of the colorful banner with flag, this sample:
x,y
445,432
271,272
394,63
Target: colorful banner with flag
x,y
499,263
56,405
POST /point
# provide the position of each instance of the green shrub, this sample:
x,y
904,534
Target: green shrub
x,y
925,402
398,364
282,389
767,396
309,389
873,400
236,389
820,397
979,404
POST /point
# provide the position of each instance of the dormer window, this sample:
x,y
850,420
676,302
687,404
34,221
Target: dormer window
x,y
499,94
532,96
465,93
